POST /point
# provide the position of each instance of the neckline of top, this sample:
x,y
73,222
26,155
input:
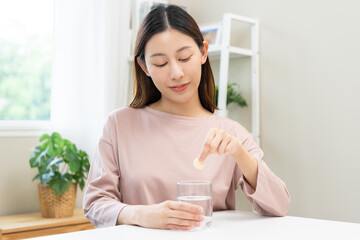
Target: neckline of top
x,y
180,118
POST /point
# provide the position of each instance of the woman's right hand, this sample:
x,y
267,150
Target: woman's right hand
x,y
170,215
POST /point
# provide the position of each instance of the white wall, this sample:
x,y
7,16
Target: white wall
x,y
16,188
310,113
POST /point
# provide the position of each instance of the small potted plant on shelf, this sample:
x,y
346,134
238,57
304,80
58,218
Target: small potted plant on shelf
x,y
232,96
61,167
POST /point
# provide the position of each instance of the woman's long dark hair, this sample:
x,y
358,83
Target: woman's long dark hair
x,y
159,20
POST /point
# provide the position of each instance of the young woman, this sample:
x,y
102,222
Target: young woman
x,y
147,147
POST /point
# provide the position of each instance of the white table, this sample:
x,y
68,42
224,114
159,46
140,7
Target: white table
x,y
230,225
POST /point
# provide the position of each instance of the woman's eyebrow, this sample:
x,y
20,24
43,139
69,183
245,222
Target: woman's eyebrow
x,y
163,54
183,48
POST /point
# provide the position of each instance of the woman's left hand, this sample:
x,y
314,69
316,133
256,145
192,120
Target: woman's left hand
x,y
220,142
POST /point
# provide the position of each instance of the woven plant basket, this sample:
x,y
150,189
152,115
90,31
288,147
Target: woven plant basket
x,y
56,206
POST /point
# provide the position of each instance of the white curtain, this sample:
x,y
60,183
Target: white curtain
x,y
90,70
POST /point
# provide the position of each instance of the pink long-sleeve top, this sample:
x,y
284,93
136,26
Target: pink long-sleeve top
x,y
142,153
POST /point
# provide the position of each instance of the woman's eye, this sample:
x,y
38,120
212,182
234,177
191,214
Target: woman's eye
x,y
160,65
185,59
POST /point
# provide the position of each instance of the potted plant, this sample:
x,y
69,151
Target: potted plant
x,y
232,96
61,167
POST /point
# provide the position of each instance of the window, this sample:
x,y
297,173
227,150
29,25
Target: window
x,y
26,43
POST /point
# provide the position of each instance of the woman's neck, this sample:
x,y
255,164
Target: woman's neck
x,y
195,110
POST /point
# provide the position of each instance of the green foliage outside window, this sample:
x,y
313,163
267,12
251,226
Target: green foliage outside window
x,y
25,78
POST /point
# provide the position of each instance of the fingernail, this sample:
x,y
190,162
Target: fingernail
x,y
200,209
202,218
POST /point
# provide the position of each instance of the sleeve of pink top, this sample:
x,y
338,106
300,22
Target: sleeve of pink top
x,y
271,196
102,198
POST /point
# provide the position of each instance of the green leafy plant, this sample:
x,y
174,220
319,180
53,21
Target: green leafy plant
x,y
59,163
232,96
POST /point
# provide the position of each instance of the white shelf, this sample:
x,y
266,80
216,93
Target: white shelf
x,y
214,52
224,52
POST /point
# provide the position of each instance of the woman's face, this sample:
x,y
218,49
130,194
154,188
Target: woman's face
x,y
173,61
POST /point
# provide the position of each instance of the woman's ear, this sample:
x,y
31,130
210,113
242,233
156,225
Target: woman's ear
x,y
204,52
143,66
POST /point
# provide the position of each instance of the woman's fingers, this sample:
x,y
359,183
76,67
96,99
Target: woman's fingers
x,y
184,206
186,215
183,215
217,141
206,149
171,215
232,146
177,227
184,222
224,145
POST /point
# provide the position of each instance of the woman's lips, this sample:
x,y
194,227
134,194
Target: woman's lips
x,y
180,88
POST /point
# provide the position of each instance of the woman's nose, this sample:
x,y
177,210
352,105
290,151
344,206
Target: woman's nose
x,y
176,71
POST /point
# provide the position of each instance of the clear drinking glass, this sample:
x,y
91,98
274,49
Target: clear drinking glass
x,y
197,192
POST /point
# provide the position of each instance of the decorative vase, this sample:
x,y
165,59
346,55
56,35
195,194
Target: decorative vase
x,y
56,206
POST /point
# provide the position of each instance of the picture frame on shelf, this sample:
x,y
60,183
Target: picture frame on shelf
x,y
211,33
